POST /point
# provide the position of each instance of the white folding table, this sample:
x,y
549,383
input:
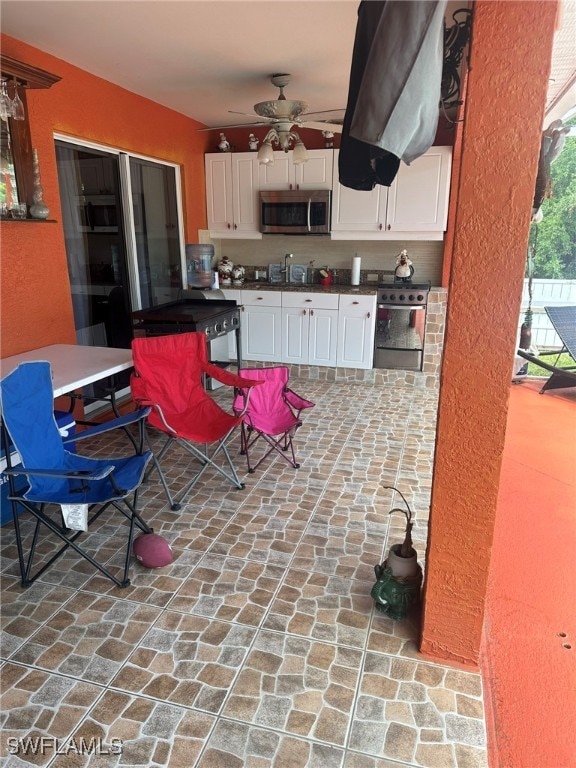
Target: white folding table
x,y
73,365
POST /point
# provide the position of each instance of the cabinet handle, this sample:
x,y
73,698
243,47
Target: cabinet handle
x,y
369,314
289,186
311,312
258,298
307,300
380,226
389,226
228,225
355,302
242,308
235,226
303,311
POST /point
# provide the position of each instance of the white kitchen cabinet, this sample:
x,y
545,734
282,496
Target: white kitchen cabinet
x,y
309,328
97,174
316,173
261,325
232,186
414,207
356,325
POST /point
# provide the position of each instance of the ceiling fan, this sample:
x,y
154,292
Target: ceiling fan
x,y
283,115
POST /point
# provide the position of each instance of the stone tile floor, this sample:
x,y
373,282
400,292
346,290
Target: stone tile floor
x,y
260,645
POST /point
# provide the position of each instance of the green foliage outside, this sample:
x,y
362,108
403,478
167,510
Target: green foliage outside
x,y
554,239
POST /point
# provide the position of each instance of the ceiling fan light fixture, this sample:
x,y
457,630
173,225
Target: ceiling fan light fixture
x,y
300,154
266,153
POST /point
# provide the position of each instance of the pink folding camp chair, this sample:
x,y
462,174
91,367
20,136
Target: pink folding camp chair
x,y
272,413
169,377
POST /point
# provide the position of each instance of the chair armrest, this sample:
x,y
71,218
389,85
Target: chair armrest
x,y
297,402
82,474
107,426
226,377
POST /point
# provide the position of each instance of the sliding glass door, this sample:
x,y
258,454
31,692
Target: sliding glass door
x,y
156,231
123,235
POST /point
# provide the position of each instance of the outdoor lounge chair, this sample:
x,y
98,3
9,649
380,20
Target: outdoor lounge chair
x,y
169,374
272,415
64,492
564,321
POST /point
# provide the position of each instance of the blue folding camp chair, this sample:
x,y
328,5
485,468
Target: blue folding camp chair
x,y
57,477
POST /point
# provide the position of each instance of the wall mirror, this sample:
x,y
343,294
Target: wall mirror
x,y
16,158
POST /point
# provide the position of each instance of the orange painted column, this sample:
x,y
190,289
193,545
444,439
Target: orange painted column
x,y
508,78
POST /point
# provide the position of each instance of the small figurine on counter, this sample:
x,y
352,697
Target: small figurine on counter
x,y
225,267
223,146
252,142
404,269
238,273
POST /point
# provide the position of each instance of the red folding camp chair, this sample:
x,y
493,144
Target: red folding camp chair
x,y
169,376
272,413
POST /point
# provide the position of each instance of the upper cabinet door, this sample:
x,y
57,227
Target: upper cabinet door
x,y
279,174
356,211
232,195
219,192
316,173
418,197
245,187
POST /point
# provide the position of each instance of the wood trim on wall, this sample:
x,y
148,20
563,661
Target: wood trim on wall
x,y
27,77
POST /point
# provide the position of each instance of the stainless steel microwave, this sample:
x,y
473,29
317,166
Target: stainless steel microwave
x,y
295,212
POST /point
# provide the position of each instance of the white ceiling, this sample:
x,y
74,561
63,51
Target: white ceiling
x,y
201,58
205,57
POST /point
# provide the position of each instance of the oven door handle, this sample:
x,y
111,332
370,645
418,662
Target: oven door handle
x,y
308,214
401,306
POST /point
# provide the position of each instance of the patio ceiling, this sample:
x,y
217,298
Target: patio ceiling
x,y
204,58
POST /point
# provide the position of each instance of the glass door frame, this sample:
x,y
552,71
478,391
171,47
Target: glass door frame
x,y
128,207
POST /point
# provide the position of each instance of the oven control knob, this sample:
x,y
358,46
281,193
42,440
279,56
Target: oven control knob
x,y
392,297
383,297
420,297
411,297
402,297
224,324
218,328
207,331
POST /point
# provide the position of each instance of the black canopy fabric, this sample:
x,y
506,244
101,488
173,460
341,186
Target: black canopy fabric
x,y
394,91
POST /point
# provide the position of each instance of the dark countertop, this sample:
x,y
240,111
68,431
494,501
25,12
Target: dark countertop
x,y
368,289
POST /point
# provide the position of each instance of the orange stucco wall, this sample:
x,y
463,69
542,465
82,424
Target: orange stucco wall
x,y
35,306
509,69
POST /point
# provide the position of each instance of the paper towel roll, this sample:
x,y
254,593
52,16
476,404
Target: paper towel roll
x,y
355,270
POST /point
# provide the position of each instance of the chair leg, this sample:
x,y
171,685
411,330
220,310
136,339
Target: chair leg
x,y
280,445
70,541
208,461
174,506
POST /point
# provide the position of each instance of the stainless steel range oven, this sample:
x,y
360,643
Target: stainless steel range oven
x,y
400,325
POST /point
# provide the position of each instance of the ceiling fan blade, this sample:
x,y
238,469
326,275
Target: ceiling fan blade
x,y
248,114
320,126
325,112
235,125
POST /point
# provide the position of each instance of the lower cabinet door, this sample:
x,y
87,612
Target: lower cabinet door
x,y
323,337
295,331
261,333
356,339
